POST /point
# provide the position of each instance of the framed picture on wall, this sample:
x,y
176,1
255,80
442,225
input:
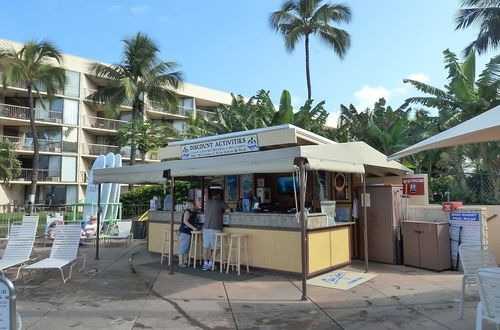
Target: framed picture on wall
x,y
231,188
246,186
341,187
260,182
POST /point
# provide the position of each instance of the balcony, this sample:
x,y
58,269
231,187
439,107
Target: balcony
x,y
26,144
84,177
178,111
88,91
16,112
102,123
44,175
91,149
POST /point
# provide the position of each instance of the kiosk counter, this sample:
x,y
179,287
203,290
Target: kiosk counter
x,y
274,239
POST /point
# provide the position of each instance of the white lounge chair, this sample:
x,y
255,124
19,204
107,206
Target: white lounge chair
x,y
19,247
473,257
488,283
64,251
124,228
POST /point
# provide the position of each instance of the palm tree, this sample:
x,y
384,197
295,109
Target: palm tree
x,y
32,65
299,19
487,13
139,77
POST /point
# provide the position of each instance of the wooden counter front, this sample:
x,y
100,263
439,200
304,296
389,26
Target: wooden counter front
x,y
278,248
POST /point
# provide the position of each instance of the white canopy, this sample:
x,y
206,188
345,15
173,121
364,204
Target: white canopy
x,y
482,128
342,157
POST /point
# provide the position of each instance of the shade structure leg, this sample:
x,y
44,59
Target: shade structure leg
x,y
98,221
171,248
365,227
303,224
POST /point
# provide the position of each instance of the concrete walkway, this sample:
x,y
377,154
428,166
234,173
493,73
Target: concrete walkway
x,y
129,289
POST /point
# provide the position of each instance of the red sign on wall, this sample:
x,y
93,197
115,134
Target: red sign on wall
x,y
413,186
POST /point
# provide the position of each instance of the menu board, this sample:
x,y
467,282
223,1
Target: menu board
x,y
465,228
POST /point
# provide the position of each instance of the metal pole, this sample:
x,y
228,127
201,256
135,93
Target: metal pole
x,y
202,194
170,257
365,227
303,223
98,221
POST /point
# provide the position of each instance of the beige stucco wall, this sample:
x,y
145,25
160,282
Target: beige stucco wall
x,y
14,192
494,229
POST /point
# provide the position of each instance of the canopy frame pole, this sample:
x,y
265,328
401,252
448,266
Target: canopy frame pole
x,y
170,257
203,194
303,224
98,221
365,218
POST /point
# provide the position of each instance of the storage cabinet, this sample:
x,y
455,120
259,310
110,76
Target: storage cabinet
x,y
426,245
383,212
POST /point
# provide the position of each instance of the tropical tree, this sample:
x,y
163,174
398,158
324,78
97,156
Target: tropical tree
x,y
33,65
258,112
10,167
140,77
463,98
147,136
487,14
299,19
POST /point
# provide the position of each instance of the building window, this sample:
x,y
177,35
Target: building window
x,y
70,112
72,86
68,172
70,139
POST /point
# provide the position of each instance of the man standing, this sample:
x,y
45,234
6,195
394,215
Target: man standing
x,y
214,213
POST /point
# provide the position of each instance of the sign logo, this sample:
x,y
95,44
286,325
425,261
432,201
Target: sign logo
x,y
227,146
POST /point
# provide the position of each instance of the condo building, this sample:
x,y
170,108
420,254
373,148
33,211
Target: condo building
x,y
73,131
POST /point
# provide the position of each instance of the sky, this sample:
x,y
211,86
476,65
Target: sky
x,y
228,45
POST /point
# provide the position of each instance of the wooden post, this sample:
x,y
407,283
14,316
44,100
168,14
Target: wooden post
x,y
365,227
171,256
303,226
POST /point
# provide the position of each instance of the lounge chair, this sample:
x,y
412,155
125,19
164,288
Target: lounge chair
x,y
124,228
488,308
19,247
64,252
473,257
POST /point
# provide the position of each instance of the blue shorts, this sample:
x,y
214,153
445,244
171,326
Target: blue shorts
x,y
209,237
184,240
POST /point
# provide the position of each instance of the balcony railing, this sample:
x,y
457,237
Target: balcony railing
x,y
181,111
44,175
26,144
17,112
103,149
88,91
84,176
103,123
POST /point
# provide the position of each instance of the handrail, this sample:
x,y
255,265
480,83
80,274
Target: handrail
x,y
44,175
102,123
26,144
19,112
88,91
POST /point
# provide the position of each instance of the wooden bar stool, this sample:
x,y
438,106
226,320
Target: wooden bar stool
x,y
165,251
195,247
220,242
236,247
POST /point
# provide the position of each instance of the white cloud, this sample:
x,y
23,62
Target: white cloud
x,y
139,10
332,119
421,77
114,9
367,96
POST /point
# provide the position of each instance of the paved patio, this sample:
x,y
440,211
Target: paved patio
x,y
129,289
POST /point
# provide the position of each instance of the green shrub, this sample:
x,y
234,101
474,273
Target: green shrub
x,y
143,194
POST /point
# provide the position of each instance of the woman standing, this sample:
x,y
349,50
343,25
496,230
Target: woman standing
x,y
187,225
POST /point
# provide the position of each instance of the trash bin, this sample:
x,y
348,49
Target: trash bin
x,y
139,229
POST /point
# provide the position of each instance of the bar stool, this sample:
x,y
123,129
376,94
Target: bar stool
x,y
236,247
195,247
165,251
219,243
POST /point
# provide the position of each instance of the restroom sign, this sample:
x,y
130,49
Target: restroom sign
x,y
413,186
